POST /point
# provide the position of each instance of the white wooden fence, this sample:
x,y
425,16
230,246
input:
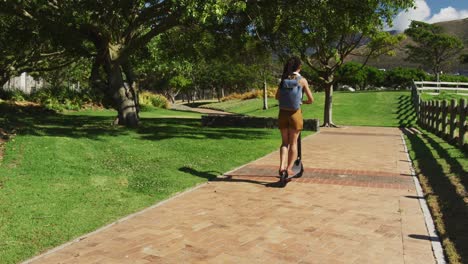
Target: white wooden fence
x,y
437,87
446,119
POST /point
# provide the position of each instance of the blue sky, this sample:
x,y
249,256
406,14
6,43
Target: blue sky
x,y
436,5
432,11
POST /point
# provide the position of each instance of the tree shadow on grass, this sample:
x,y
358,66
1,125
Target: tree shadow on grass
x,y
164,128
213,176
37,121
453,208
405,112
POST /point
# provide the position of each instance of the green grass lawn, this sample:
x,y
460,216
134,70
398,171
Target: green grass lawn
x,y
389,109
442,96
64,175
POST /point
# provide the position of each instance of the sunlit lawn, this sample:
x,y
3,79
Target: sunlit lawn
x,y
358,108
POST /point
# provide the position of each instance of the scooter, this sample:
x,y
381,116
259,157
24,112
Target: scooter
x,y
298,167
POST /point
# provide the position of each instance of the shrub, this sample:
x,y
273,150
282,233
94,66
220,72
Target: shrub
x,y
353,74
61,98
250,95
152,99
449,78
13,95
403,77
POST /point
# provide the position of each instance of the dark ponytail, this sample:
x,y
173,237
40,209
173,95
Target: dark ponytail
x,y
293,64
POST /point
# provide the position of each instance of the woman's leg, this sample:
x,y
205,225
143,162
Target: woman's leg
x,y
284,149
293,135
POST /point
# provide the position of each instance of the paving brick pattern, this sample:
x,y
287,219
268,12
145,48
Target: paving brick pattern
x,y
354,204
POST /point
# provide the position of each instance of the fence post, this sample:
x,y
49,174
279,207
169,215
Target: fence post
x,y
437,118
453,115
426,114
433,111
444,118
418,104
462,123
422,108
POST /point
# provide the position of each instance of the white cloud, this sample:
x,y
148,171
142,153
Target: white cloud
x,y
448,13
422,12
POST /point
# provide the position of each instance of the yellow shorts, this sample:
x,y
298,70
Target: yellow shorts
x,y
290,119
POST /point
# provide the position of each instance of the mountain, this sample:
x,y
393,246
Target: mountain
x,y
457,28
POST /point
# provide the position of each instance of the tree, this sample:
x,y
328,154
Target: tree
x,y
400,78
360,76
110,31
433,48
324,33
25,50
262,61
352,73
464,59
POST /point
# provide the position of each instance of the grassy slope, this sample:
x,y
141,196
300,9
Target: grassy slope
x,y
379,108
65,175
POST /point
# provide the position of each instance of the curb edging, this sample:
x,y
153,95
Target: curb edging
x,y
436,244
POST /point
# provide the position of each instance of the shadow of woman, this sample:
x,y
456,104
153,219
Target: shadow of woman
x,y
213,176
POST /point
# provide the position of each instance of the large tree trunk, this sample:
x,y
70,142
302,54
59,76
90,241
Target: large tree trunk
x,y
122,95
328,111
131,79
123,98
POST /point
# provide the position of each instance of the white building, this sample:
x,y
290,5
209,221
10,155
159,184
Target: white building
x,y
24,83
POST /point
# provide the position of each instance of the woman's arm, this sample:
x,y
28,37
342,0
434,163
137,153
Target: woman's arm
x,y
277,95
305,85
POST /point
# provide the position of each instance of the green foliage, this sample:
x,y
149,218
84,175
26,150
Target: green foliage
x,y
271,91
325,33
190,60
403,77
353,74
315,34
12,95
433,48
366,77
152,99
61,98
449,78
112,32
24,49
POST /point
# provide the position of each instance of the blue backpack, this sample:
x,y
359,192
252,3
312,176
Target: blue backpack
x,y
290,96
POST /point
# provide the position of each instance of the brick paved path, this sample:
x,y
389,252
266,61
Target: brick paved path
x,y
356,203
